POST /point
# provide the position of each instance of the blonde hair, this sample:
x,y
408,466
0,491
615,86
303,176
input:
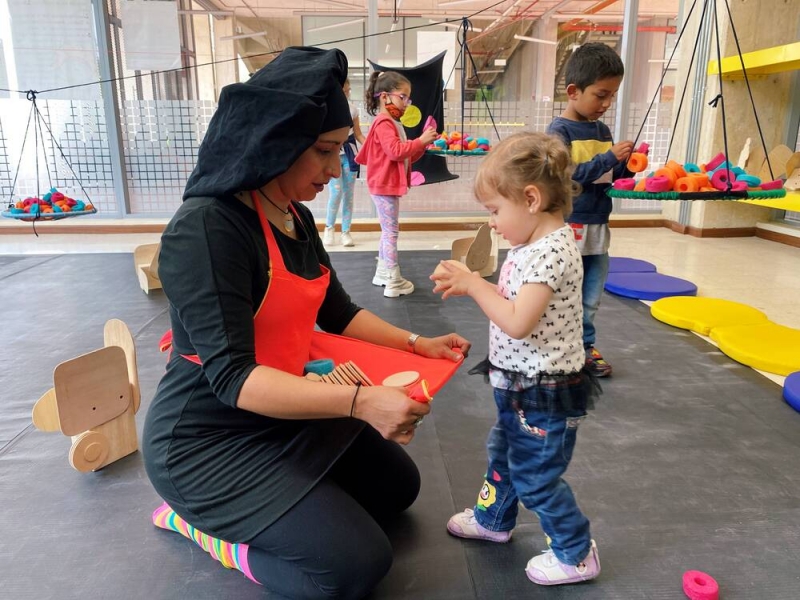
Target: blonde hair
x,y
529,159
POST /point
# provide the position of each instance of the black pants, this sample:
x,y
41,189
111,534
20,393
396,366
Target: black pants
x,y
330,544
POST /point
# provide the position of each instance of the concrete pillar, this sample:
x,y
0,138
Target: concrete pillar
x,y
226,71
544,74
772,96
646,75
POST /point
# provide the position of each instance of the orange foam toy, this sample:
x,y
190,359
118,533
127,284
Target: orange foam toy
x,y
687,184
702,179
641,186
669,174
637,162
677,167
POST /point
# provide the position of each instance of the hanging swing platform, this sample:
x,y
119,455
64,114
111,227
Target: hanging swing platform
x,y
772,195
53,205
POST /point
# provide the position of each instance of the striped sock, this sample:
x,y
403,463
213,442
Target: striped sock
x,y
232,556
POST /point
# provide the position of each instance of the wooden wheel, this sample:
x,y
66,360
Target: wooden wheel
x,y
89,451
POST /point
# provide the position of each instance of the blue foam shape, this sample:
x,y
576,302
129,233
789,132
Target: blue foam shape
x,y
648,286
321,366
618,264
791,390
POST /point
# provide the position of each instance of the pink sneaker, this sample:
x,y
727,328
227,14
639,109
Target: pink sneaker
x,y
546,569
464,525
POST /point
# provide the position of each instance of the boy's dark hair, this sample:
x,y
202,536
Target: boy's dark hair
x,y
592,62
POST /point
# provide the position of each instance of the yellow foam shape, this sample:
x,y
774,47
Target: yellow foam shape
x,y
704,314
767,346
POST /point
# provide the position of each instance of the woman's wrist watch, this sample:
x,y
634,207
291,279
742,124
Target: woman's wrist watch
x,y
412,339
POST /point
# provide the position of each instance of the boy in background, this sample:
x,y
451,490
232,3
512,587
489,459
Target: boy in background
x,y
593,75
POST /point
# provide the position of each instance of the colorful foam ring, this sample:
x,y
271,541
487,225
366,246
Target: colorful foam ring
x,y
643,148
739,186
637,162
687,184
657,184
626,184
691,168
721,179
751,180
715,162
677,168
772,185
669,174
641,186
702,179
700,586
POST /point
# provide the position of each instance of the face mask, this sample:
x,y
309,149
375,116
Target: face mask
x,y
394,111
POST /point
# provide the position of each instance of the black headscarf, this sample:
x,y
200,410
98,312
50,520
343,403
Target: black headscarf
x,y
263,125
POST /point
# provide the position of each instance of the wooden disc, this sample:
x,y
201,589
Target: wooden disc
x,y
455,263
89,451
402,379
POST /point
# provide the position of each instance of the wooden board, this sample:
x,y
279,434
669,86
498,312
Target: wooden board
x,y
116,333
92,389
778,157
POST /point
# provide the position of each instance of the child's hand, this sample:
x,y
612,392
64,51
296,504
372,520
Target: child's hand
x,y
452,278
622,150
428,136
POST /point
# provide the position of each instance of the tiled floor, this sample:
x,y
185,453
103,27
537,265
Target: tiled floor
x,y
753,271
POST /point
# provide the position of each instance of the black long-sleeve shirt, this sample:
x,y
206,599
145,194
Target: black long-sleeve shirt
x,y
227,471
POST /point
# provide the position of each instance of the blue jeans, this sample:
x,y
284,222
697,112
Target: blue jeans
x,y
529,449
595,271
340,191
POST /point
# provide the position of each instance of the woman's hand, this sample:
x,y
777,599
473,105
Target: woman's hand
x,y
390,412
451,346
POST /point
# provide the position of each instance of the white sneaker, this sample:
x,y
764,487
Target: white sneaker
x,y
396,285
546,569
347,240
327,236
381,274
464,525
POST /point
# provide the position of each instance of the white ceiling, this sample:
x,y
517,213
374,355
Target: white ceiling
x,y
516,9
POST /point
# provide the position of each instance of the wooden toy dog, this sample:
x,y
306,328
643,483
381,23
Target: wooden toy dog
x,y
94,400
145,260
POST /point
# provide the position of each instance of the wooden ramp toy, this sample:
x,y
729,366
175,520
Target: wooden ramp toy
x,y
479,253
793,173
94,400
145,260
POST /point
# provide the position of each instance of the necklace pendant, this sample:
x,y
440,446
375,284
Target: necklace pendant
x,y
288,224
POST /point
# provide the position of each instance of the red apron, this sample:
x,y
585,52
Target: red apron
x,y
284,323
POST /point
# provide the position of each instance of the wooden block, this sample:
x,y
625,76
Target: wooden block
x,y
45,412
793,173
479,250
778,157
91,389
116,333
364,379
145,259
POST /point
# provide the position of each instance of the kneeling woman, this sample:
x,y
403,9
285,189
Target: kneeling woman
x,y
282,478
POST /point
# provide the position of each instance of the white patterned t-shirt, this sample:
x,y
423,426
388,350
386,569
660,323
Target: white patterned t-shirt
x,y
556,343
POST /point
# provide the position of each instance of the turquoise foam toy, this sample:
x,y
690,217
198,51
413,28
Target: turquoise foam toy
x,y
321,366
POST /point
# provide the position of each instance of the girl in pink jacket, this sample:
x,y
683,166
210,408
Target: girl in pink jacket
x,y
388,156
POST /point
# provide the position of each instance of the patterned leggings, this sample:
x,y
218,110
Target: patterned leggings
x,y
388,214
341,188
